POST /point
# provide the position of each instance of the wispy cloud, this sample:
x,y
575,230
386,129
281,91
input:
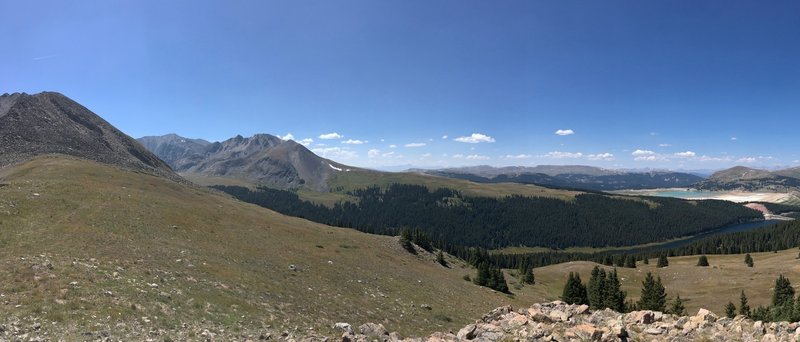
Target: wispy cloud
x,y
475,138
747,160
354,142
639,153
335,153
517,156
664,145
416,144
563,132
392,146
562,155
288,136
601,156
444,137
328,136
306,141
471,157
373,153
687,154
734,138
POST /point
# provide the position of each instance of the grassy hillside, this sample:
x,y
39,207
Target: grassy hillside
x,y
348,181
700,287
81,240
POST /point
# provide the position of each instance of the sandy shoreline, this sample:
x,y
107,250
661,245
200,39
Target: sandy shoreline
x,y
733,196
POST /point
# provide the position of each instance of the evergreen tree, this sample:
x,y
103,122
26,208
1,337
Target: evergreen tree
x,y
748,260
596,288
482,278
646,261
608,261
405,241
619,261
615,297
744,308
783,292
574,290
654,296
703,261
730,310
662,261
528,277
440,258
677,307
630,261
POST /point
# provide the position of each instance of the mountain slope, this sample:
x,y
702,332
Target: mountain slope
x,y
571,176
262,159
51,123
83,241
180,153
749,179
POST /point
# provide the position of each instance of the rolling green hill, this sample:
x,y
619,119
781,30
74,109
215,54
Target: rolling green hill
x,y
82,240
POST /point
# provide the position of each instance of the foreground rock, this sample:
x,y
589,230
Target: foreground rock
x,y
558,321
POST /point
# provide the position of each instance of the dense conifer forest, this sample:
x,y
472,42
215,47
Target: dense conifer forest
x,y
451,219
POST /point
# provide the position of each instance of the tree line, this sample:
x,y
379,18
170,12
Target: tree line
x,y
450,218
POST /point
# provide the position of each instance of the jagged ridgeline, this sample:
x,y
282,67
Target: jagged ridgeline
x,y
450,218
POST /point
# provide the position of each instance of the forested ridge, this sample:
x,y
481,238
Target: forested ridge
x,y
451,219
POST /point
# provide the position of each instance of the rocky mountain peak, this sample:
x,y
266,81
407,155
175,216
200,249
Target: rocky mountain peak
x,y
51,123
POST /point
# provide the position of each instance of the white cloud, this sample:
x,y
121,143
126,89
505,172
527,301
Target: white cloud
x,y
444,137
562,155
563,132
747,160
647,155
306,141
734,138
639,153
392,146
705,158
664,145
426,155
471,157
475,138
373,153
328,136
335,153
653,133
601,156
518,156
288,136
354,142
687,154
415,144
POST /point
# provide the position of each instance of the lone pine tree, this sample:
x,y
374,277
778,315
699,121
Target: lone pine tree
x,y
654,296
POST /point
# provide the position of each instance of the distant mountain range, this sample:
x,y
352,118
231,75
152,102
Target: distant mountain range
x,y
262,159
50,123
749,179
571,176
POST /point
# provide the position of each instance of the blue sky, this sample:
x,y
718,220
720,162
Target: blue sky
x,y
631,84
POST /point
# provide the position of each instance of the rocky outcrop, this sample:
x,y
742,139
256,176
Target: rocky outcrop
x,y
558,321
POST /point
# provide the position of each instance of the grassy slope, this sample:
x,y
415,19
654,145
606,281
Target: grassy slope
x,y
213,258
706,287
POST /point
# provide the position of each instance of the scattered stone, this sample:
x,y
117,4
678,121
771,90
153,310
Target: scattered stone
x,y
345,327
426,307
